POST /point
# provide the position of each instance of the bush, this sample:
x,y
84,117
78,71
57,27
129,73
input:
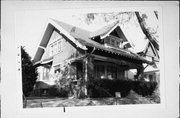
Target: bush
x,y
123,86
106,88
144,88
54,91
99,88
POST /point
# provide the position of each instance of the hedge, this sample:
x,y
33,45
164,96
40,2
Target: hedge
x,y
99,88
107,88
144,88
54,91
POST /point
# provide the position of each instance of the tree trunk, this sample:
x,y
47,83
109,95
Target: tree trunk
x,y
145,31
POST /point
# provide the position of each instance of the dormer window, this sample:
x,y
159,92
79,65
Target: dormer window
x,y
113,41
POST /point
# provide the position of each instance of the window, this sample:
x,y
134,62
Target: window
x,y
151,77
113,41
111,72
55,47
117,43
99,71
45,73
105,70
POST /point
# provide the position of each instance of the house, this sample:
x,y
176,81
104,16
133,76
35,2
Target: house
x,y
91,55
151,72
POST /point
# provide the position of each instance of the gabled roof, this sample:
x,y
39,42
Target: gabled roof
x,y
73,30
104,30
64,29
81,38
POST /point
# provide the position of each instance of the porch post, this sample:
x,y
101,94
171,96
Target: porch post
x,y
140,71
85,74
88,67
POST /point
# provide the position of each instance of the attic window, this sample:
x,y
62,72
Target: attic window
x,y
55,47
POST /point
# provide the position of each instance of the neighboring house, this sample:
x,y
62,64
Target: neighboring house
x,y
151,72
93,55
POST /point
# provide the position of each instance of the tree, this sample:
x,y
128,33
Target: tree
x,y
146,31
29,73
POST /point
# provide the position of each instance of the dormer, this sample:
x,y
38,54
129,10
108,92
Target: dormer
x,y
111,36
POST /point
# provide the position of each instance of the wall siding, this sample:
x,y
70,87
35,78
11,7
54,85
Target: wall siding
x,y
67,52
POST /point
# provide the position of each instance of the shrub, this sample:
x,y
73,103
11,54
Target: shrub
x,y
54,91
106,88
144,88
123,86
63,92
99,88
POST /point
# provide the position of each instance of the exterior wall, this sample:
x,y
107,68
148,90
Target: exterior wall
x,y
67,52
63,51
60,48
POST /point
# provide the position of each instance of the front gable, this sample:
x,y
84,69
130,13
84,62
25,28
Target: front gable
x,y
52,32
59,49
111,36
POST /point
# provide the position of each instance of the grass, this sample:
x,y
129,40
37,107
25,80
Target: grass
x,y
132,98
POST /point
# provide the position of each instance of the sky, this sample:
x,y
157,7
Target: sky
x,y
30,26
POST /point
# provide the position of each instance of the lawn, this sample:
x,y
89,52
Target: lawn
x,y
132,98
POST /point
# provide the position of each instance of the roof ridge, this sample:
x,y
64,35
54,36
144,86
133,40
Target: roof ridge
x,y
106,29
73,26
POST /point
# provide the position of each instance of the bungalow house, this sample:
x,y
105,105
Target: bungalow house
x,y
92,55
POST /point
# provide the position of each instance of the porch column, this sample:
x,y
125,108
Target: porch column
x,y
85,74
88,67
140,71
